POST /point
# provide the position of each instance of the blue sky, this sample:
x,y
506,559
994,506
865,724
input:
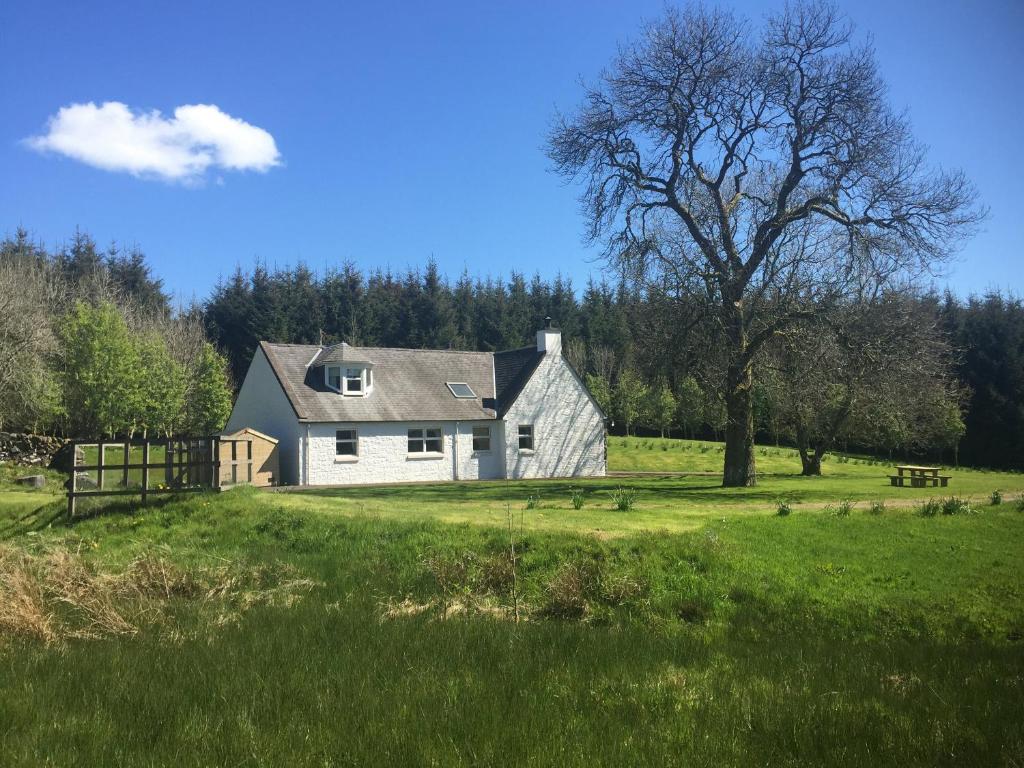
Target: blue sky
x,y
410,130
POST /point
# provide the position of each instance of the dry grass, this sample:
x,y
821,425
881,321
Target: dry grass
x,y
58,594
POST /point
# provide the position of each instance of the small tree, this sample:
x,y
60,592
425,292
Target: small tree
x,y
661,407
600,390
629,398
208,399
101,365
689,406
160,389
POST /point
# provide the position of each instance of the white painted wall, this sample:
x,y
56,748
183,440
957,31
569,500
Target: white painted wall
x,y
568,429
384,457
262,405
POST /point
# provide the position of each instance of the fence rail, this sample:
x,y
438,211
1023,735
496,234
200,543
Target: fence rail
x,y
168,465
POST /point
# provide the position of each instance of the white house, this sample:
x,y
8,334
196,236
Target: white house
x,y
346,414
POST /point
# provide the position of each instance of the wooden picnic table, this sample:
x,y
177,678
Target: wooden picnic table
x,y
918,477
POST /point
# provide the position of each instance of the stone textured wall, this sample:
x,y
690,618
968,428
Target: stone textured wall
x,y
30,450
384,457
568,429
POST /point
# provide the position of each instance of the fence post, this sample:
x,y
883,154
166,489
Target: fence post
x,y
216,464
145,470
99,462
248,444
127,461
71,486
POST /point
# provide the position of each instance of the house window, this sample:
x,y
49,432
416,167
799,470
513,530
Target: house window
x,y
461,390
353,380
481,438
333,374
425,440
346,442
526,437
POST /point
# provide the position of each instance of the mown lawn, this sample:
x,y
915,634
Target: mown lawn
x,y
699,628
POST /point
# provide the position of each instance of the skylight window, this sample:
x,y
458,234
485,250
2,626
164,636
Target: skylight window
x,y
461,390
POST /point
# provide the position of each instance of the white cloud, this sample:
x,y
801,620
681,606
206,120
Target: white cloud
x,y
180,148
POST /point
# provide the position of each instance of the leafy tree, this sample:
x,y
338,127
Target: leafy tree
x,y
160,389
600,390
689,406
208,399
662,407
765,175
100,371
629,397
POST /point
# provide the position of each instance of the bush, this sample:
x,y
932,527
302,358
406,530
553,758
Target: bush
x,y
930,508
877,507
843,509
533,502
577,498
783,507
954,505
565,594
623,498
996,498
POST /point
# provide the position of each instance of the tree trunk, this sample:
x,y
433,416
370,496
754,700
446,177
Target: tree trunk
x,y
810,462
740,466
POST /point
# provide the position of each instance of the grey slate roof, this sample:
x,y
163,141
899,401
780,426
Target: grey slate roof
x,y
341,353
512,369
408,384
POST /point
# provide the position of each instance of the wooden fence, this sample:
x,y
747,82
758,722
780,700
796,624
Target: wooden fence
x,y
155,466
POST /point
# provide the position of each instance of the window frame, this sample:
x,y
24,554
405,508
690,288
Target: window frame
x,y
423,439
327,377
353,441
530,435
487,429
357,378
451,388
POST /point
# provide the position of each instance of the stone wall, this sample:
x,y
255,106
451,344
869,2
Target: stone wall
x,y
29,450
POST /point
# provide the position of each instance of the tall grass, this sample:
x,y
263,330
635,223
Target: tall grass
x,y
872,640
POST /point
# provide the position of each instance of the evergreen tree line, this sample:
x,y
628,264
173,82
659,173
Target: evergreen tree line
x,y
89,344
90,347
654,373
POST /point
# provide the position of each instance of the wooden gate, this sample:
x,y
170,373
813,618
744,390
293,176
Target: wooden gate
x,y
152,466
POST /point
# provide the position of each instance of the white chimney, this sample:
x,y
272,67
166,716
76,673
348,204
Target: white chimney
x,y
549,339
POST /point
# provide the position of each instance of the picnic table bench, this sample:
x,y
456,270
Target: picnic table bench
x,y
918,477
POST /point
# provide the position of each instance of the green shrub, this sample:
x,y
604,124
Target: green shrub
x,y
877,507
623,498
577,498
996,498
533,502
844,508
783,507
929,508
954,505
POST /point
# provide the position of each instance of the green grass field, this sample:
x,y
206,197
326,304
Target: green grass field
x,y
376,625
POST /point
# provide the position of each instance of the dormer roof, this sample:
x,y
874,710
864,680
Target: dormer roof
x,y
341,353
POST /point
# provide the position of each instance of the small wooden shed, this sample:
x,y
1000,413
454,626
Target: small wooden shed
x,y
234,452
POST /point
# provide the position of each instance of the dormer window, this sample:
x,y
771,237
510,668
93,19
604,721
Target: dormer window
x,y
333,374
353,381
349,381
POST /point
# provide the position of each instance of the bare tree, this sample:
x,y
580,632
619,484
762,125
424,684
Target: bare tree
x,y
764,173
28,291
